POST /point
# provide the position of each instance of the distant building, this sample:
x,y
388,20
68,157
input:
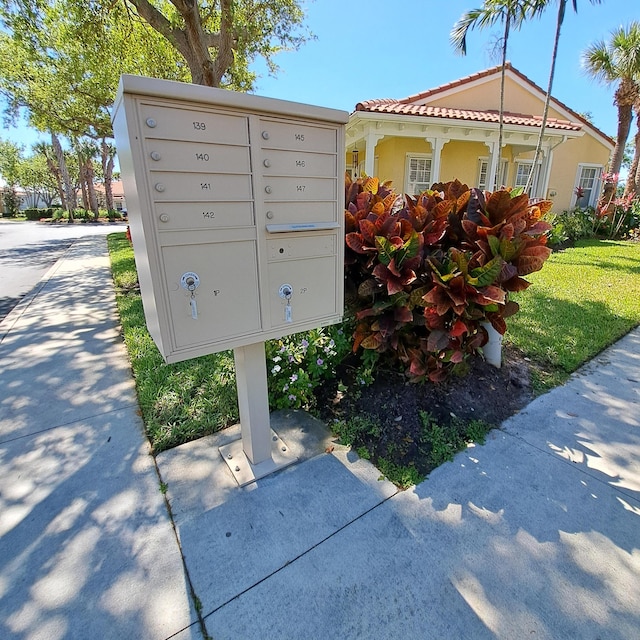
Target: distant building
x,y
118,195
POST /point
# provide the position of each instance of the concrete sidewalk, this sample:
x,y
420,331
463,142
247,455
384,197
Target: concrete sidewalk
x,y
87,549
536,534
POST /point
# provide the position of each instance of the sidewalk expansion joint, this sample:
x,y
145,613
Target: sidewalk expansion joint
x,y
71,422
301,555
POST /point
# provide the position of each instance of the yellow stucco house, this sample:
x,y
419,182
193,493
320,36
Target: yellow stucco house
x,y
452,132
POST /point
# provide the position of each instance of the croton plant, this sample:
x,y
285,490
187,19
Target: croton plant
x,y
423,274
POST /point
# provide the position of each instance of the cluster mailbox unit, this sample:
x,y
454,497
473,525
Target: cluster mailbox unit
x,y
236,213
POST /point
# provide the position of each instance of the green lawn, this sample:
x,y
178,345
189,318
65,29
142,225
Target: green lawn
x,y
583,300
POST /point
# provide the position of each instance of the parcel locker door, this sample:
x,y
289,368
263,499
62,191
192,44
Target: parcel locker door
x,y
313,290
225,297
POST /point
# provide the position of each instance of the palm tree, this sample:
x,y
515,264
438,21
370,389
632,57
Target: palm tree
x,y
539,6
512,13
632,188
617,60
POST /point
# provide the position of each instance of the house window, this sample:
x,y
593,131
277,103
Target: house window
x,y
587,185
501,175
418,174
523,170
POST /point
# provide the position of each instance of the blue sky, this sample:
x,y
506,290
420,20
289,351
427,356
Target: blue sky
x,y
395,49
382,49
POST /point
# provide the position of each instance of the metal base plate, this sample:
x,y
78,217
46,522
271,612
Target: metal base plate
x,y
244,472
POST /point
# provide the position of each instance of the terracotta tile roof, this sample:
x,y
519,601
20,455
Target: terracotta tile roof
x,y
407,106
400,107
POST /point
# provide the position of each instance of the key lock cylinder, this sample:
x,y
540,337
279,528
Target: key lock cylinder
x,y
191,281
285,292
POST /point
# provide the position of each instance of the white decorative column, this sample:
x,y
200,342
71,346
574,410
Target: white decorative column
x,y
371,140
545,173
436,153
494,161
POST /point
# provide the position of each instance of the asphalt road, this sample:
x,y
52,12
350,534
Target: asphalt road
x,y
29,249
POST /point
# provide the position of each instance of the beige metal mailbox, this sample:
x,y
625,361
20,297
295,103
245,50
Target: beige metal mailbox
x,y
236,215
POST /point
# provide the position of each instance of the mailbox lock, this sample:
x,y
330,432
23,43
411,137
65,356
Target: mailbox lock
x,y
190,281
268,189
285,292
265,135
269,215
159,187
164,217
151,122
155,155
266,162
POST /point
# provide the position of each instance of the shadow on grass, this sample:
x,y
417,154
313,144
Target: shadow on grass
x,y
562,335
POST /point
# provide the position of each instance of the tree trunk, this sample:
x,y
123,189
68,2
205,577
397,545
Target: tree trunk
x,y
625,116
90,176
632,186
193,42
82,176
55,172
562,4
507,25
70,199
107,172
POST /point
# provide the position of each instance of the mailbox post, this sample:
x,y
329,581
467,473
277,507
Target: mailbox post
x,y
236,215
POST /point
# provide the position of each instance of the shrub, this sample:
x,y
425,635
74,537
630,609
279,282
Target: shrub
x,y
33,213
59,214
624,217
423,274
577,223
297,365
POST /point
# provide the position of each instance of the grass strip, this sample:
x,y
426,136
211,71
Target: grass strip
x,y
179,402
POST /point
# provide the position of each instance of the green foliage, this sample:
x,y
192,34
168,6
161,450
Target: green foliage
x,y
70,53
582,223
624,218
577,223
433,445
38,214
444,441
11,202
297,364
423,277
557,235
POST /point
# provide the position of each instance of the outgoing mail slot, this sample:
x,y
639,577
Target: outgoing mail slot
x,y
167,155
293,213
174,216
190,187
197,126
299,189
288,248
280,135
298,163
